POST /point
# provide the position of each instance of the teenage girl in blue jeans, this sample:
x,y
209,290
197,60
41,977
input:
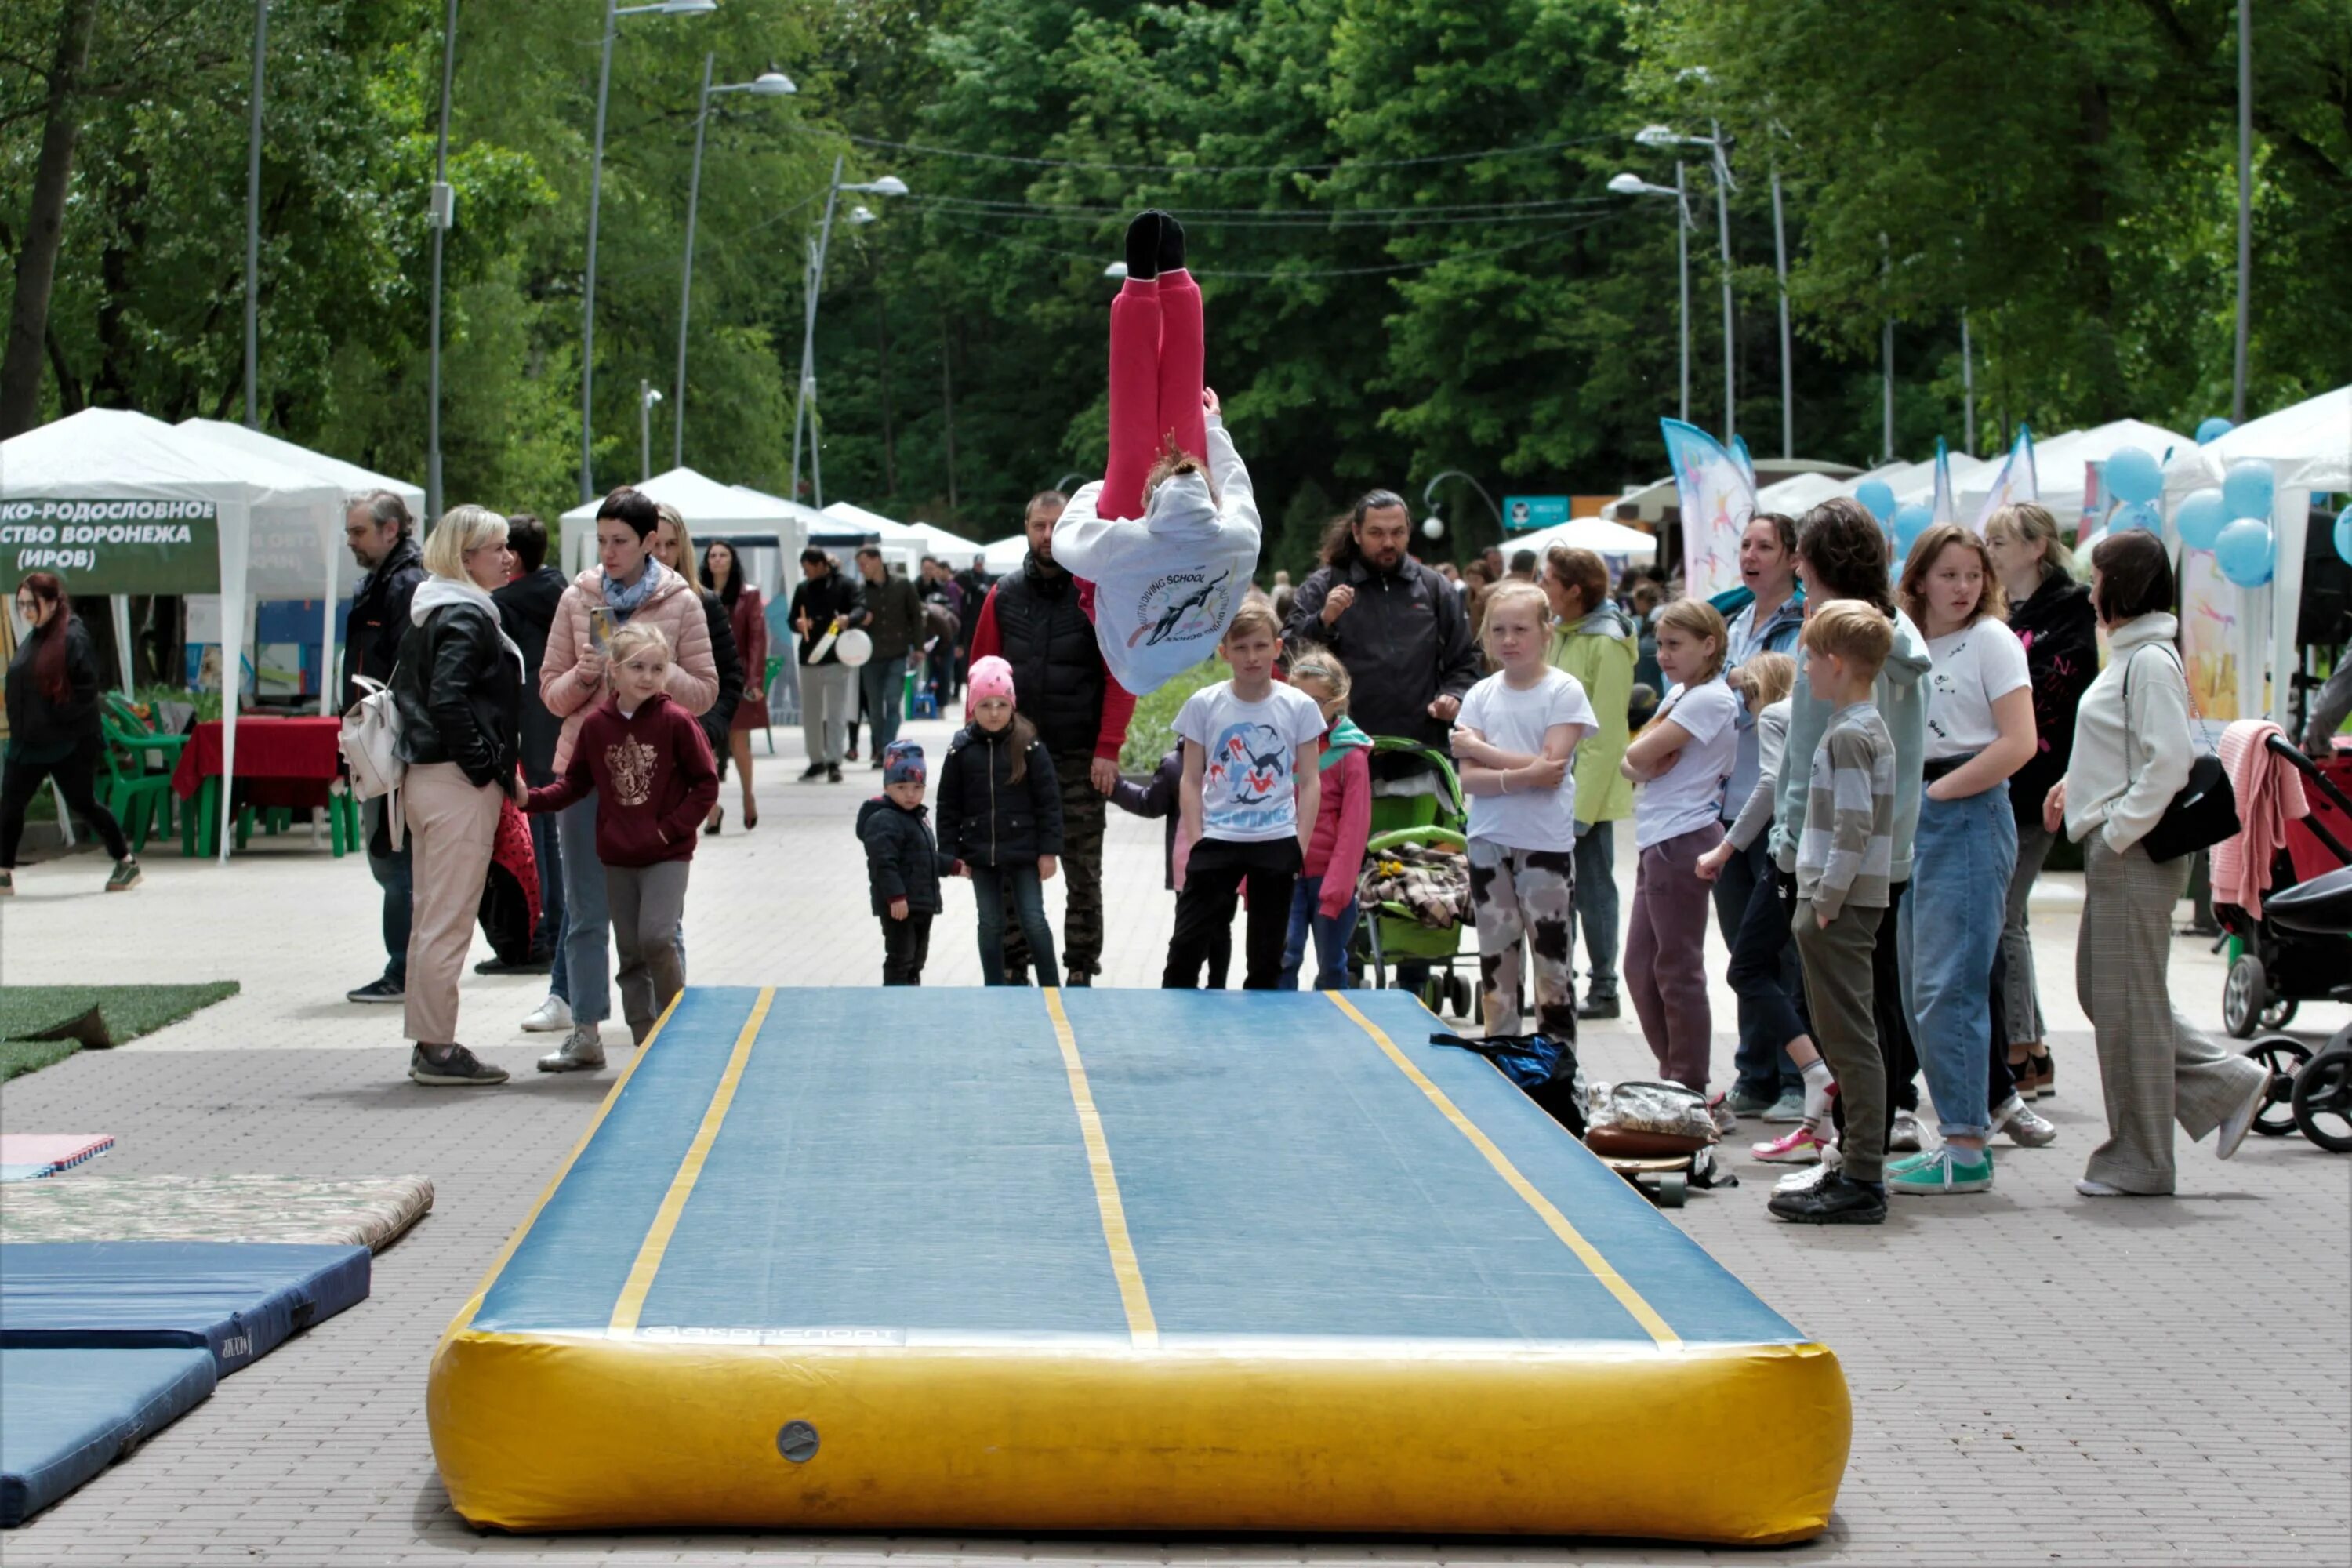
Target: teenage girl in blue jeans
x,y
1000,816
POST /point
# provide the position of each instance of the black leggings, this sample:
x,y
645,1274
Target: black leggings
x,y
76,775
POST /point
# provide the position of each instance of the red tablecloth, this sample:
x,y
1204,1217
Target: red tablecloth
x,y
284,761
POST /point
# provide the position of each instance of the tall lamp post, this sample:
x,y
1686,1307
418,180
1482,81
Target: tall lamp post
x,y
767,84
646,398
1634,186
888,185
441,213
253,225
1429,502
1718,154
613,13
1788,376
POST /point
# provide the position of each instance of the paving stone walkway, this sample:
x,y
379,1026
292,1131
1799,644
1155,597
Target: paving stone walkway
x,y
2037,1378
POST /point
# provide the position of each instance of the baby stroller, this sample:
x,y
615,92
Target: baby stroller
x,y
1414,889
2294,952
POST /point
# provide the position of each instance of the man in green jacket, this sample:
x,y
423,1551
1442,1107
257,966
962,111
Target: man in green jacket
x,y
1592,641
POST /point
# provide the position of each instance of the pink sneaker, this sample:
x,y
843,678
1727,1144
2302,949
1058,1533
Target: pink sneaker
x,y
1801,1145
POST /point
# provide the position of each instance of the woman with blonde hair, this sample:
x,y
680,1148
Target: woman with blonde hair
x,y
2051,613
458,690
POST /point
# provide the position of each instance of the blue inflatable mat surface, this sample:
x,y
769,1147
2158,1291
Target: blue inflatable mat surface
x,y
71,1413
237,1299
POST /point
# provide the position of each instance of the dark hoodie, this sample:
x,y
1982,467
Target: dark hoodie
x,y
653,779
527,607
2060,632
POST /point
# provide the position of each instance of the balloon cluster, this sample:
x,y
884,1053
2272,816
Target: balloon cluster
x,y
2232,521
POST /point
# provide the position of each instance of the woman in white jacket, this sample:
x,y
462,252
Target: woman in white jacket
x,y
2132,754
1169,536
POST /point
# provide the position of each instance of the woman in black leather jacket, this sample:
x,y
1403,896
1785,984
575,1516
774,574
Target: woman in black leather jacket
x,y
458,688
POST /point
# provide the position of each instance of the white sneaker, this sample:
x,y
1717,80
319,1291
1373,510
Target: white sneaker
x,y
1904,1138
2023,1126
2096,1189
2233,1127
552,1017
581,1051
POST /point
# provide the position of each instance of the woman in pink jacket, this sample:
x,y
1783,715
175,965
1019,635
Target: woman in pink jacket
x,y
627,587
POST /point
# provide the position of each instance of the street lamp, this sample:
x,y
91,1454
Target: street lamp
x,y
1665,136
646,398
440,213
613,13
253,227
888,185
1634,186
1432,525
767,84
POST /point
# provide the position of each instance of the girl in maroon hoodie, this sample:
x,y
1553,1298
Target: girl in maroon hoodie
x,y
651,769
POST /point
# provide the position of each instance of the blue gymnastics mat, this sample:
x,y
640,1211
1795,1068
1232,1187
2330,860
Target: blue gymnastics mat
x,y
65,1415
1151,1261
237,1300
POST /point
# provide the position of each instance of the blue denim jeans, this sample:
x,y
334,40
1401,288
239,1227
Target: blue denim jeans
x,y
991,886
392,875
883,683
1330,933
1596,904
587,924
1947,933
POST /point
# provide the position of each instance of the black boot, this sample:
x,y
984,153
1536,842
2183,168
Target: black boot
x,y
1171,243
1143,245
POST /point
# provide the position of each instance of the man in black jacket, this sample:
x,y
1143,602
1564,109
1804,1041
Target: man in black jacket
x,y
972,584
828,687
383,539
1398,627
527,608
894,620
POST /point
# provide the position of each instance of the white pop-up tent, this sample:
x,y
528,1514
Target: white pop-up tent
x,y
2059,465
710,510
1005,556
927,538
116,502
1597,534
354,482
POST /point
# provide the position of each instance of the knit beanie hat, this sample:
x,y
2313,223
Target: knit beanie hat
x,y
990,677
902,763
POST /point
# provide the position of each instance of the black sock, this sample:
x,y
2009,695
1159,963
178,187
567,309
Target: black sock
x,y
1143,247
1172,244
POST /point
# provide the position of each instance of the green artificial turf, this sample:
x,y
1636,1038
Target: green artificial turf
x,y
130,1011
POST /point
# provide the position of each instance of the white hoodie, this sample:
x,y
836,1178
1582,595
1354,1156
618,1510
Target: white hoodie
x,y
1166,586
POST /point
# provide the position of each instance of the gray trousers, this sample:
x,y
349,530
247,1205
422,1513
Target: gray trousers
x,y
2155,1067
1840,995
828,699
646,903
2021,1000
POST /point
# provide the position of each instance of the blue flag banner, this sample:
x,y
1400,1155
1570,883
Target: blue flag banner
x,y
1947,507
1718,499
1740,456
2015,482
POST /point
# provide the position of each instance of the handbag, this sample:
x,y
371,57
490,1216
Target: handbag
x,y
2203,813
370,742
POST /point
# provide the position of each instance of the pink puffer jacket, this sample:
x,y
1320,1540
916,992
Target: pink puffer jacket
x,y
673,607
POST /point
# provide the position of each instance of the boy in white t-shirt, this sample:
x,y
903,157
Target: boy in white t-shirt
x,y
1251,790
1683,761
1516,739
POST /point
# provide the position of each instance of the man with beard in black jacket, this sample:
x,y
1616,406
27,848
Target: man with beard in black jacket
x,y
527,609
381,536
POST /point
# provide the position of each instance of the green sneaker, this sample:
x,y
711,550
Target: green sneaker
x,y
1943,1172
1908,1162
125,878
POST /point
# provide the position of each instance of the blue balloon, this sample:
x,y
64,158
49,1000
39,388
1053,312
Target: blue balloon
x,y
2247,489
2344,536
2139,514
2133,475
2214,429
1877,498
2200,517
2243,552
1910,522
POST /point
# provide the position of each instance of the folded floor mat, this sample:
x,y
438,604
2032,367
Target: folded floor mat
x,y
71,1413
237,1300
367,1213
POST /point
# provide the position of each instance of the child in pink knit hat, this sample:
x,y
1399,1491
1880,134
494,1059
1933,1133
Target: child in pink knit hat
x,y
1000,815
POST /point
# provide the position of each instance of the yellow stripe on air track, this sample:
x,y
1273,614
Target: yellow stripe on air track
x,y
689,1171
1590,1255
1140,1324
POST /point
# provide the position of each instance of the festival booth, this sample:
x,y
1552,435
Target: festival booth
x,y
2065,468
1612,541
349,477
118,504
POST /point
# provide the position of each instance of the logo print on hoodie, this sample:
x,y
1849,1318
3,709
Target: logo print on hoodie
x,y
630,763
1180,607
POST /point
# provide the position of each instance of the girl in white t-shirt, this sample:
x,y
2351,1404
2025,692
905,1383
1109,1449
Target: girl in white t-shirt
x,y
1979,731
1516,739
1682,760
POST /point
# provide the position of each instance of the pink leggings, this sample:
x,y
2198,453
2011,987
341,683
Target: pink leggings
x,y
1157,364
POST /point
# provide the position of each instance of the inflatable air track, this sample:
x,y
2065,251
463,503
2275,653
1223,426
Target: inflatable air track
x,y
1112,1260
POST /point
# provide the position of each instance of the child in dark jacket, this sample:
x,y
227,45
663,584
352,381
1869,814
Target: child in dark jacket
x,y
1163,796
651,768
903,864
1000,816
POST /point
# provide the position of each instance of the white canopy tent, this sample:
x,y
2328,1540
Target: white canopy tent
x,y
952,548
354,482
2059,463
710,510
927,538
1597,534
1005,556
118,502
1800,494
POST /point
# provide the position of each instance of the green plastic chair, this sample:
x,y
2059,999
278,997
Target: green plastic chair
x,y
139,799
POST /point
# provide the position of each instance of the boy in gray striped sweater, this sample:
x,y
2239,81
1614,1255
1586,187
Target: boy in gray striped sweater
x,y
1843,859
